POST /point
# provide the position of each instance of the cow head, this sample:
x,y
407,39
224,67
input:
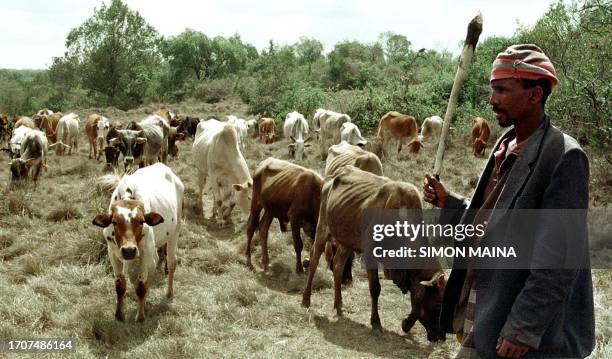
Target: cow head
x,y
102,130
111,154
19,169
429,298
130,143
296,149
173,136
479,146
128,219
415,145
244,193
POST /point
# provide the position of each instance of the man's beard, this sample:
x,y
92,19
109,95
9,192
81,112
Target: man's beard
x,y
508,123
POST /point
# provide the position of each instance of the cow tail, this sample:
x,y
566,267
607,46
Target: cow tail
x,y
106,184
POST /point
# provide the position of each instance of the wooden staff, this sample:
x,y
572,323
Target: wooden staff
x,y
473,33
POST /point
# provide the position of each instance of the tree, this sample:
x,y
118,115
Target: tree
x,y
190,52
115,52
396,47
309,51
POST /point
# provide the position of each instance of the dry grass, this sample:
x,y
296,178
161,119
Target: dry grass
x,y
56,280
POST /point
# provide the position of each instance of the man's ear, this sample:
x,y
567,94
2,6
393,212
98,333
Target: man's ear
x,y
102,220
535,94
153,219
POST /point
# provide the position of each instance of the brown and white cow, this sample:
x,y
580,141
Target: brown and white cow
x,y
398,126
290,193
344,198
96,128
267,130
144,215
480,135
32,155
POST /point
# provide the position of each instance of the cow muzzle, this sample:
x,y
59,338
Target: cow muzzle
x,y
129,252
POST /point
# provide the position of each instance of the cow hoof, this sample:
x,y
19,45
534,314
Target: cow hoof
x,y
119,317
306,303
299,270
140,319
407,325
306,263
378,330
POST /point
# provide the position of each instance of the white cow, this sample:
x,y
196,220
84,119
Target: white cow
x,y
67,134
30,158
350,133
17,139
145,212
219,162
241,127
252,128
431,128
103,126
295,128
330,124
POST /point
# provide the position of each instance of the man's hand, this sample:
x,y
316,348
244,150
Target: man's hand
x,y
507,349
434,192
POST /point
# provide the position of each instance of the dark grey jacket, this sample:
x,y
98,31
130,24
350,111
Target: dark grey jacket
x,y
550,310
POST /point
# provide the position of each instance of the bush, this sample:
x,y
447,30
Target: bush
x,y
213,90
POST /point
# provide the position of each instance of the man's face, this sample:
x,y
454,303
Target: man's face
x,y
510,101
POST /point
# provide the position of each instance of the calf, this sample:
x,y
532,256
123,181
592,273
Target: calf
x,y
32,157
67,134
288,192
267,130
344,197
431,128
480,135
144,214
399,126
96,128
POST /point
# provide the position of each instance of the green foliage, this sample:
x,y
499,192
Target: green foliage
x,y
114,53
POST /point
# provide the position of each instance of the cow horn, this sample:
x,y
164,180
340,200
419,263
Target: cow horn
x,y
292,139
433,280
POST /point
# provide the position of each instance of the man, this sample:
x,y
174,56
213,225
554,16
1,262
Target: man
x,y
532,313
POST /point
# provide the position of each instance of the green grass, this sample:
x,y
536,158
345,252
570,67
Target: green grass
x,y
56,280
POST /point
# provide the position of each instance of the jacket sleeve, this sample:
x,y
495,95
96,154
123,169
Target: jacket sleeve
x,y
453,209
557,240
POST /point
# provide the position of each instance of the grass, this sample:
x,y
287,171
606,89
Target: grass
x,y
56,279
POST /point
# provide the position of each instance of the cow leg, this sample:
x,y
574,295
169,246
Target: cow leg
x,y
399,146
374,294
252,224
347,274
141,292
120,288
317,249
264,227
297,245
91,149
162,253
408,323
201,184
171,264
342,254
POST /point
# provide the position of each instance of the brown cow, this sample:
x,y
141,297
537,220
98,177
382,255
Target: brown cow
x,y
168,115
338,157
5,130
344,197
25,121
480,135
96,128
267,130
48,124
399,126
290,193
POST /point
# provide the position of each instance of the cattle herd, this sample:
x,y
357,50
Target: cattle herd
x,y
143,221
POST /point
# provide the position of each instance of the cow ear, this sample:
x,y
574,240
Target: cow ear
x,y
291,145
153,219
53,145
307,144
180,136
238,187
102,220
307,139
141,140
114,141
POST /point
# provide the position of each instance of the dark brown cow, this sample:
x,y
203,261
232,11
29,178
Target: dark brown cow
x,y
480,135
288,192
267,130
344,197
399,126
